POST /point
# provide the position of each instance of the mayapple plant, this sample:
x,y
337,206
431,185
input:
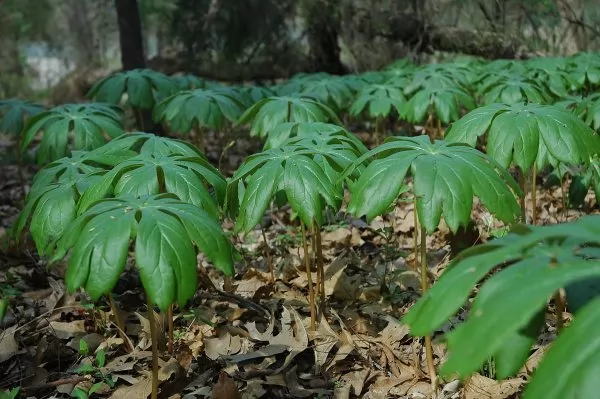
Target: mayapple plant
x,y
280,133
378,101
304,172
72,127
507,314
529,136
272,111
194,110
14,113
440,91
51,204
167,234
446,177
142,88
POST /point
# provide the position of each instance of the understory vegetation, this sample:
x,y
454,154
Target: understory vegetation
x,y
415,231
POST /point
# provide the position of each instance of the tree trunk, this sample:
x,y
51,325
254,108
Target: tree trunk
x,y
322,20
132,53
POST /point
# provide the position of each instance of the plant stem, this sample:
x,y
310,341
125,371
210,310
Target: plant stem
x,y
311,292
522,199
424,287
439,129
320,268
534,194
377,128
416,235
154,338
170,338
199,138
140,118
268,255
559,306
120,325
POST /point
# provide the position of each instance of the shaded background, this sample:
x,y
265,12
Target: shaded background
x,y
55,49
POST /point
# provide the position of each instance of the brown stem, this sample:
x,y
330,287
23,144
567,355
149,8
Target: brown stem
x,y
522,199
170,336
311,292
140,119
534,194
119,322
563,199
559,306
154,338
439,129
424,287
320,267
199,138
416,235
268,255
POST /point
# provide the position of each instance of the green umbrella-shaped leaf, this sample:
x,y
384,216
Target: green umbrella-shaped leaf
x,y
14,112
144,88
188,178
572,360
165,231
72,126
272,111
210,108
528,133
446,177
306,169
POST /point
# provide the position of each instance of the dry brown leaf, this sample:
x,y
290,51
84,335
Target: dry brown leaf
x,y
64,330
292,336
222,345
480,387
225,388
8,345
337,283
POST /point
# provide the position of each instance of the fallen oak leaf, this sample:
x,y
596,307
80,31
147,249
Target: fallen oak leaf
x,y
225,388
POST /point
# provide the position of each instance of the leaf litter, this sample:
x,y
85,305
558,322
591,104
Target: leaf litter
x,y
254,341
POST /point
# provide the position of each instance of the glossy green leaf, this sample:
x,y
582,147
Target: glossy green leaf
x,y
306,169
188,178
516,349
526,133
446,177
144,88
446,102
335,92
284,131
14,112
378,100
150,144
55,191
165,231
201,107
270,112
72,127
572,362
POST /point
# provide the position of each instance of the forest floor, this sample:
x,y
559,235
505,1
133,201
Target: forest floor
x,y
255,339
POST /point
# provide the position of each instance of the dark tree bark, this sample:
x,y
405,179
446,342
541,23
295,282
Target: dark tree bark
x,y
130,34
132,53
322,30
